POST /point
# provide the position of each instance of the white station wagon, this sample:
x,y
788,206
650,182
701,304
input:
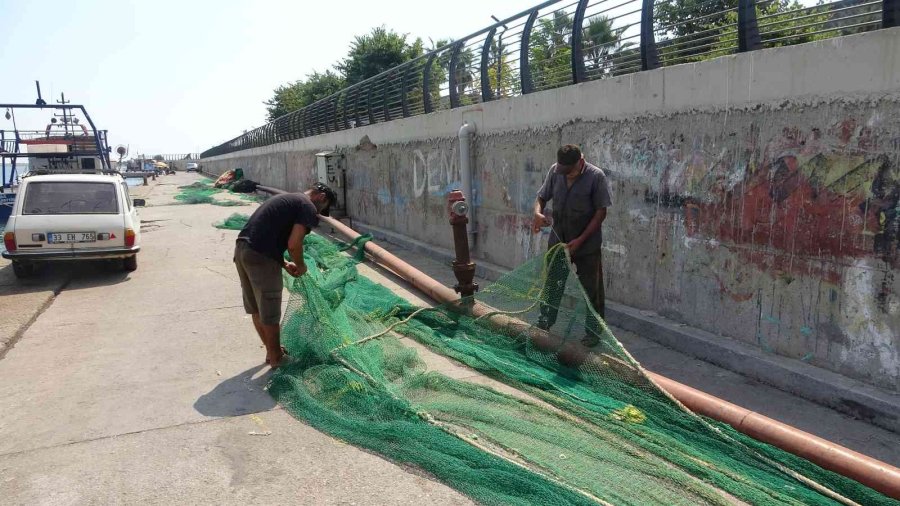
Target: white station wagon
x,y
72,217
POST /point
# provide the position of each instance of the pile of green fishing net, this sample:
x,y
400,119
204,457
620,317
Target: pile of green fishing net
x,y
597,433
234,222
202,192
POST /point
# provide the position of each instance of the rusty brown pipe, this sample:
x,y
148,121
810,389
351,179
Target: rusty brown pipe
x,y
862,468
870,472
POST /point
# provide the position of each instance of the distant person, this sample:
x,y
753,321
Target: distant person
x,y
580,193
279,224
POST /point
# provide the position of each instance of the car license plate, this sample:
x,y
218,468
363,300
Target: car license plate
x,y
71,237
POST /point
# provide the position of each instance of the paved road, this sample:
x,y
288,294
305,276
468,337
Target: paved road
x,y
147,388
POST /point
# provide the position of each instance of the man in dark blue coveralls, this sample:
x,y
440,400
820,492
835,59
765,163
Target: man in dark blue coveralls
x,y
580,193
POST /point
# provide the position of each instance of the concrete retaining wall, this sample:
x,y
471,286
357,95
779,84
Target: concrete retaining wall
x,y
756,196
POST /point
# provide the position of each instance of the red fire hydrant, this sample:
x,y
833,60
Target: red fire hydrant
x,y
463,266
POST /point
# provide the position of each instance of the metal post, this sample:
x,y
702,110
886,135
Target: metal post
x,y
334,120
356,119
293,124
454,61
486,93
304,124
404,98
748,31
578,71
649,55
369,109
426,84
385,106
463,266
890,13
524,63
346,96
320,123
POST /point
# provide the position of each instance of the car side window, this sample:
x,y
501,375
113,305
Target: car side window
x,y
128,202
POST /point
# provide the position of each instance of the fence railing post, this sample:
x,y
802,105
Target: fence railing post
x,y
320,121
307,122
369,110
404,83
890,13
356,93
346,107
578,71
453,77
524,63
335,113
385,107
487,93
649,55
426,84
748,31
293,133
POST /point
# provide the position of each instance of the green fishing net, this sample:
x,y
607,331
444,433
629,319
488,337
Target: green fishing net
x,y
202,192
562,430
234,222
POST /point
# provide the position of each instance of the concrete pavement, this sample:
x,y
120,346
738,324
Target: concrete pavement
x,y
147,388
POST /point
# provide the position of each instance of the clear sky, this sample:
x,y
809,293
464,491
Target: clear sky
x,y
167,76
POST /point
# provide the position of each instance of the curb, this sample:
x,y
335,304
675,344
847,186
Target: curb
x,y
855,398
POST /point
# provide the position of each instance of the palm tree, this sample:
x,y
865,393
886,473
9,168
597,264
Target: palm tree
x,y
603,45
550,52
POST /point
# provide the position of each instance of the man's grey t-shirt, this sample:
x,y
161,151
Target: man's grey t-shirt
x,y
574,207
268,229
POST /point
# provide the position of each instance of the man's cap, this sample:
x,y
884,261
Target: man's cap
x,y
329,194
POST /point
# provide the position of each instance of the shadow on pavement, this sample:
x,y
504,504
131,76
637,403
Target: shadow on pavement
x,y
239,395
53,275
11,285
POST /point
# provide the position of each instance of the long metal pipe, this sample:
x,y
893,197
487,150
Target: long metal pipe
x,y
466,132
873,473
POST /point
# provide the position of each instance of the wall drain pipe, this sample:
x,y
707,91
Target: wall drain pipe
x,y
466,133
870,472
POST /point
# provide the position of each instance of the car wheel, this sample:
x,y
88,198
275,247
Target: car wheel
x,y
130,263
22,269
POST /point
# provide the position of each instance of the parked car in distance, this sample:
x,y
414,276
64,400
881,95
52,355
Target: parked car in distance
x,y
192,167
72,217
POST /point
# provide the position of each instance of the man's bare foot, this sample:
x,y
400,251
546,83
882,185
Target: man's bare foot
x,y
283,352
274,362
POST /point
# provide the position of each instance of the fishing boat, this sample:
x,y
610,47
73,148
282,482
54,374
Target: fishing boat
x,y
70,143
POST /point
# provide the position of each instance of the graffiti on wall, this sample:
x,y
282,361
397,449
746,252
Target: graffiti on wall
x,y
805,194
816,207
434,172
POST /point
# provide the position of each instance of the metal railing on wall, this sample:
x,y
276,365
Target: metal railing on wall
x,y
558,43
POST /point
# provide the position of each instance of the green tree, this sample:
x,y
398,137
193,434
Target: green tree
x,y
503,80
550,52
375,52
780,19
684,18
299,94
709,29
604,50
